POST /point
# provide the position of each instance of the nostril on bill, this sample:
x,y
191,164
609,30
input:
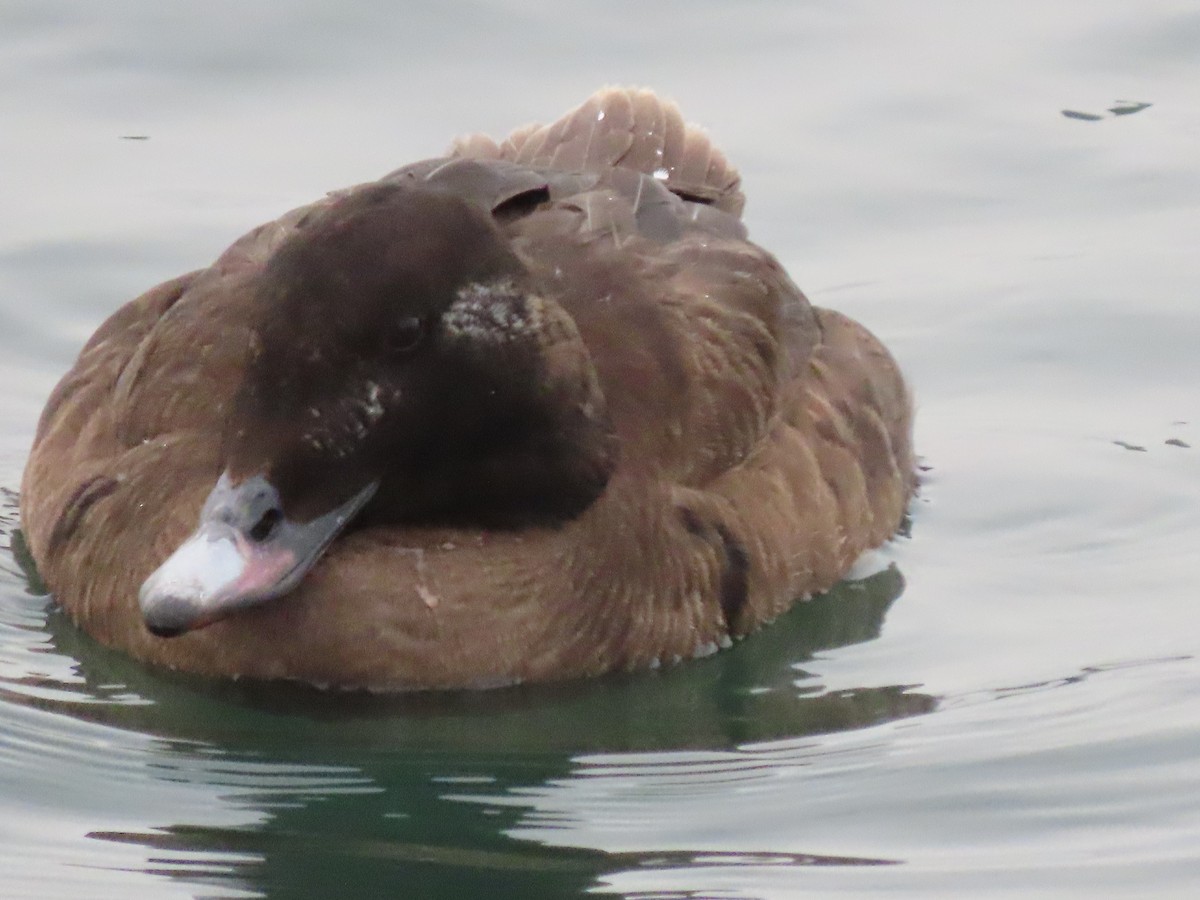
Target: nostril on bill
x,y
266,525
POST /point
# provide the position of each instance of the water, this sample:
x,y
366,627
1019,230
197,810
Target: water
x,y
1009,706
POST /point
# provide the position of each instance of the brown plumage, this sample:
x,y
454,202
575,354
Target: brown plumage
x,y
583,424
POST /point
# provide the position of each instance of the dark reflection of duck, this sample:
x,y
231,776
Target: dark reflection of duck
x,y
559,415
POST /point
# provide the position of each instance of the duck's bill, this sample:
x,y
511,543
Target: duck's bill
x,y
225,566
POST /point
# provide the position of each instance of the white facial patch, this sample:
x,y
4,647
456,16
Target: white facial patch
x,y
339,430
372,408
492,313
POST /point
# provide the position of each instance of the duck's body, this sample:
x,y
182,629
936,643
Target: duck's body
x,y
609,430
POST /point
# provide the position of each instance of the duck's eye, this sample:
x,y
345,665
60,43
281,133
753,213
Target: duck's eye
x,y
405,334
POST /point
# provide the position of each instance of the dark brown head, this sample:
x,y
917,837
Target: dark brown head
x,y
404,370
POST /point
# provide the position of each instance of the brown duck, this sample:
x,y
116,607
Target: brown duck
x,y
534,410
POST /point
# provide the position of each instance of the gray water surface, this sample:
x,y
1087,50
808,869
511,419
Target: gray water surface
x,y
1008,706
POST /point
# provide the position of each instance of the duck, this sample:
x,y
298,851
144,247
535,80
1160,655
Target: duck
x,y
534,410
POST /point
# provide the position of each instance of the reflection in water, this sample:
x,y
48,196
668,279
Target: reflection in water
x,y
287,790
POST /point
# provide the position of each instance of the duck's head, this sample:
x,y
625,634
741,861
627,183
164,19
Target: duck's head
x,y
403,369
